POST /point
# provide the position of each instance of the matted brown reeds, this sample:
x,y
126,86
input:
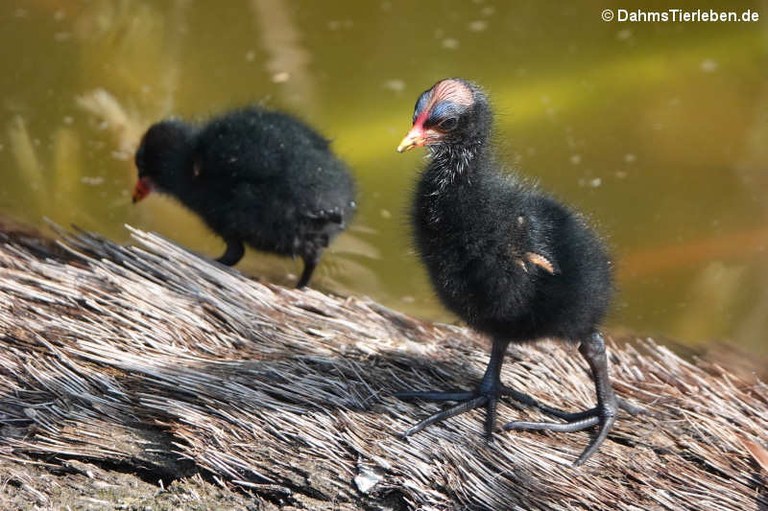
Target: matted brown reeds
x,y
151,358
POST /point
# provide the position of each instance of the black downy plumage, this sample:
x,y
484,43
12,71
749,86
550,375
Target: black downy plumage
x,y
510,260
256,177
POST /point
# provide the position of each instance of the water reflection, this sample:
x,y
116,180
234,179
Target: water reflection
x,y
656,130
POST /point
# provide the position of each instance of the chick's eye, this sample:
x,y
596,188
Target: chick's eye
x,y
448,124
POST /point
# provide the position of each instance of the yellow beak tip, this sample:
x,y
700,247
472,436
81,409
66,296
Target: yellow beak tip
x,y
408,143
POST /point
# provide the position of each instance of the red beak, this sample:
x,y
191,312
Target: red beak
x,y
142,189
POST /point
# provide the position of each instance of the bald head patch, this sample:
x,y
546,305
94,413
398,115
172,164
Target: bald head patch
x,y
448,91
455,91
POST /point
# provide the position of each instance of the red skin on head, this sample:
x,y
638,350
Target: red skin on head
x,y
451,90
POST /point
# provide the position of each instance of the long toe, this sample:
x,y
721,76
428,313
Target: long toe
x,y
484,396
603,417
521,401
628,407
460,408
558,427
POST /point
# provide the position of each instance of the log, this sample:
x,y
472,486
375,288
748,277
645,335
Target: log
x,y
214,390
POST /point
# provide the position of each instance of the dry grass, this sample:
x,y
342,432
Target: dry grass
x,y
151,359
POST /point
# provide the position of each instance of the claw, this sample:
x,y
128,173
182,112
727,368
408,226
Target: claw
x,y
487,396
491,390
603,415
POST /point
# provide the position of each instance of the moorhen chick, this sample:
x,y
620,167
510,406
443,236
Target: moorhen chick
x,y
256,177
510,260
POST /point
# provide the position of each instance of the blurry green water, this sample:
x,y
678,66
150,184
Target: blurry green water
x,y
657,130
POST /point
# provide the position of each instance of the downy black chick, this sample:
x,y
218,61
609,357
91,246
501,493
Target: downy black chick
x,y
256,177
511,261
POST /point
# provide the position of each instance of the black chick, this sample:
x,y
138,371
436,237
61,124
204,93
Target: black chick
x,y
511,261
256,177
